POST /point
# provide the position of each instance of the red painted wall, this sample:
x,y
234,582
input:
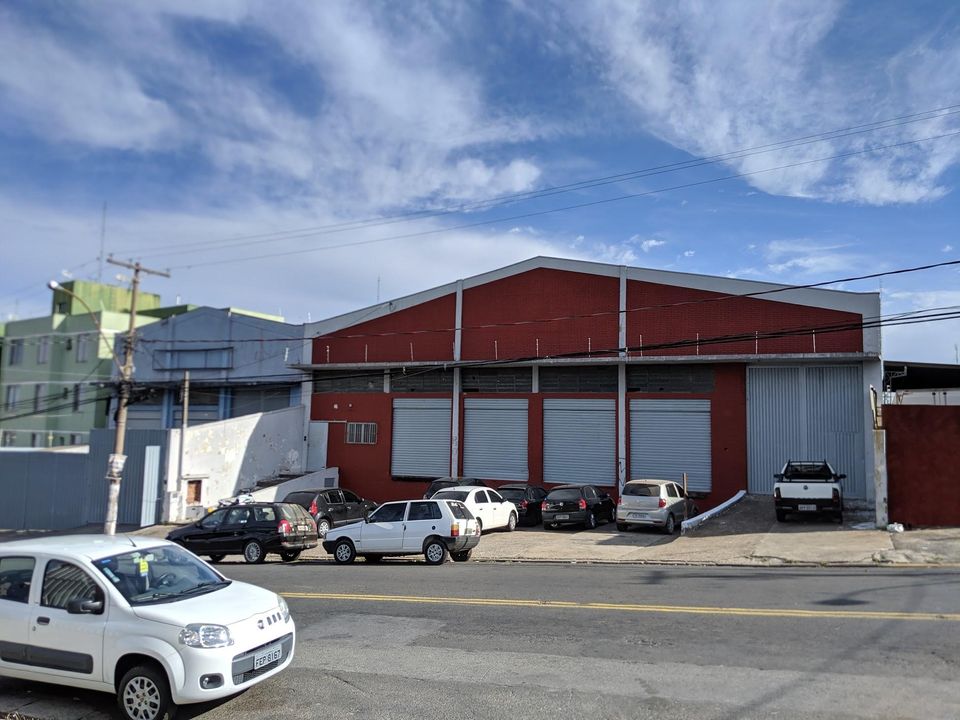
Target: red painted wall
x,y
739,316
923,453
539,295
427,326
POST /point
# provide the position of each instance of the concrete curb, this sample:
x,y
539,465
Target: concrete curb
x,y
700,519
710,563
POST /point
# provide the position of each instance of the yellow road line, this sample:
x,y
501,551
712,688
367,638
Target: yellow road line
x,y
628,607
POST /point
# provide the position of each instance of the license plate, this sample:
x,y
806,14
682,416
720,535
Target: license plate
x,y
562,517
807,508
638,516
271,654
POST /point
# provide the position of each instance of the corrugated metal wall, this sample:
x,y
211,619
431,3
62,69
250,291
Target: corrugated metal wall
x,y
580,441
42,490
131,488
805,413
421,437
669,438
495,438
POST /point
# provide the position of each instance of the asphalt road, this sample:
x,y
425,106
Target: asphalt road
x,y
403,640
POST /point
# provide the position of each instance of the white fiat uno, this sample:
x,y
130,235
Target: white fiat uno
x,y
135,616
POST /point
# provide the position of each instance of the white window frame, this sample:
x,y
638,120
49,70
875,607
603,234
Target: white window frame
x,y
16,352
11,397
43,350
361,433
83,347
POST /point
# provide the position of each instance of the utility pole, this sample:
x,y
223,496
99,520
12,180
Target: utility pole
x,y
184,424
117,459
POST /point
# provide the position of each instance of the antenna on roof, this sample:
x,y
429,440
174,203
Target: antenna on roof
x,y
130,540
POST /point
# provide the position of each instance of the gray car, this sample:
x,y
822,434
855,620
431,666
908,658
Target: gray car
x,y
654,503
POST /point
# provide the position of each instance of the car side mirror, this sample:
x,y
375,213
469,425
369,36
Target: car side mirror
x,y
779,476
85,607
841,476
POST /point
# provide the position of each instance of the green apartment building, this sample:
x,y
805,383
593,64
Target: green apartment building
x,y
55,371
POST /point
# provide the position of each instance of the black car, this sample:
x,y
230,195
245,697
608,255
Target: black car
x,y
577,505
332,507
527,499
251,530
449,482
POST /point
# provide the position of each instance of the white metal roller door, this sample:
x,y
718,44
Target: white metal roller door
x,y
421,437
580,441
495,438
805,413
669,438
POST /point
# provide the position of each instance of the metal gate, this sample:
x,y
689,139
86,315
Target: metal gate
x,y
421,437
580,441
805,413
495,438
669,438
144,450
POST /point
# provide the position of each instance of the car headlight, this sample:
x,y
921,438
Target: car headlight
x,y
284,609
205,636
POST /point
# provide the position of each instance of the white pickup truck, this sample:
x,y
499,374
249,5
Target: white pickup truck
x,y
808,487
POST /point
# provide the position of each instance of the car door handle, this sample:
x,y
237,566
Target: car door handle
x,y
43,621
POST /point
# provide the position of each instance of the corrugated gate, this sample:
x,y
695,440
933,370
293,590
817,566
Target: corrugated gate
x,y
137,446
580,441
421,437
495,438
42,490
669,438
805,413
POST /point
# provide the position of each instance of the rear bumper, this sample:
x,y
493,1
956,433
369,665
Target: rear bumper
x,y
565,517
461,543
292,543
808,505
632,516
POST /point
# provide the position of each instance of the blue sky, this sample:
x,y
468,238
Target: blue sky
x,y
201,122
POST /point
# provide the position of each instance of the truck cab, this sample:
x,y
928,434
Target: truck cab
x,y
808,487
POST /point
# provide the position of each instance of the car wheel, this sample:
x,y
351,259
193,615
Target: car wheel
x,y
461,556
144,694
671,525
480,525
839,517
323,526
290,556
373,558
781,516
551,526
217,558
344,553
621,526
253,552
512,522
435,552
591,522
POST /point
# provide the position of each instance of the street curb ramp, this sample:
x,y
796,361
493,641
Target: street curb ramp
x,y
700,519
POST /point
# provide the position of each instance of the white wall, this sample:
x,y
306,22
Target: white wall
x,y
231,456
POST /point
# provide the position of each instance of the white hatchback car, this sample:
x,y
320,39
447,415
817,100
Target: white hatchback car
x,y
654,503
135,616
488,506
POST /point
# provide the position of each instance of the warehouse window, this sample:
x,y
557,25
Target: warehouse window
x,y
578,379
348,381
497,380
206,359
361,433
432,379
670,379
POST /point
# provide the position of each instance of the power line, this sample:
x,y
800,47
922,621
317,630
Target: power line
x,y
565,208
589,183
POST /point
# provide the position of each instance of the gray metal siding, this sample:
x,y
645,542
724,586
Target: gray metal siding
x,y
805,413
42,490
495,438
580,441
669,438
421,437
131,487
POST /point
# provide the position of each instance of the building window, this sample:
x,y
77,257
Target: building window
x,y
194,491
361,433
36,439
347,381
16,352
206,359
76,397
494,380
76,439
8,438
83,348
37,396
43,350
11,397
578,379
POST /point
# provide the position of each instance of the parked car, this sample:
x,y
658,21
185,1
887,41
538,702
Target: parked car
x,y
654,503
448,482
487,506
526,499
577,505
409,527
331,507
251,530
808,487
137,617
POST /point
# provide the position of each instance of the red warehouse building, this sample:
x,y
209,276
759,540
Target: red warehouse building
x,y
560,371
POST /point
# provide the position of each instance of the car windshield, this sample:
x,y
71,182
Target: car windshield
x,y
452,495
564,494
643,489
512,494
162,574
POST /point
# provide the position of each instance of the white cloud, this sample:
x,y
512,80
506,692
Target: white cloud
x,y
647,244
689,253
711,78
810,258
947,248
